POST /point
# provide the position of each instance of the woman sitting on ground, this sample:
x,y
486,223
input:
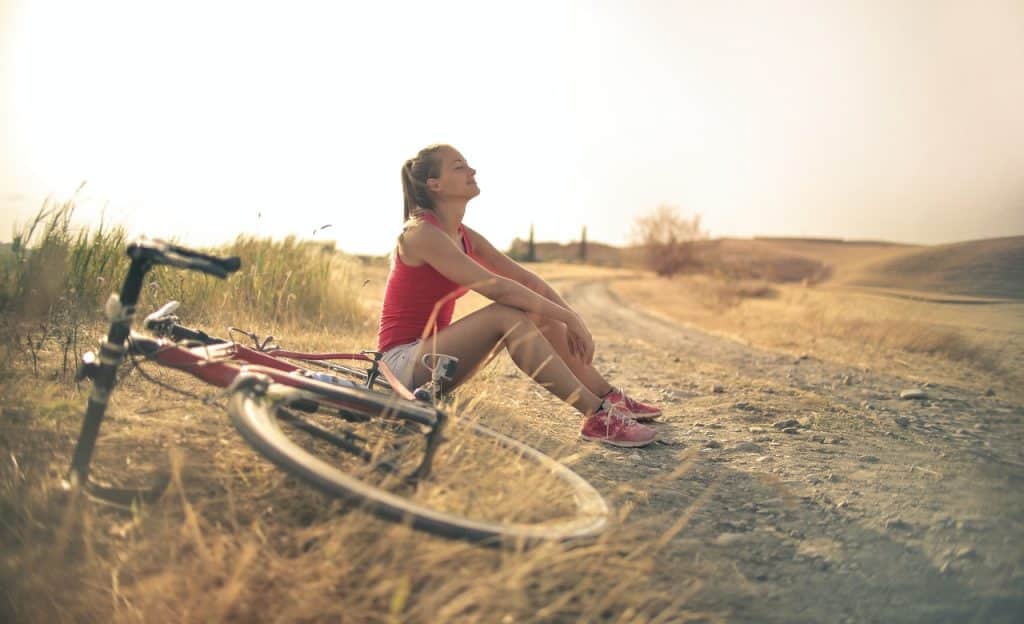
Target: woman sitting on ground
x,y
438,259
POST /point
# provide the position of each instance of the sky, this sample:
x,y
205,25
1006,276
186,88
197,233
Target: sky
x,y
871,119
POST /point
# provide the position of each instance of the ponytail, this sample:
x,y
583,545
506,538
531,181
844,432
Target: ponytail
x,y
408,183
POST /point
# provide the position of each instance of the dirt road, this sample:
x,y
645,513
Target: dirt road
x,y
819,495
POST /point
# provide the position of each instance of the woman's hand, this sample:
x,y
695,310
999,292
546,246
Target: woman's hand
x,y
581,343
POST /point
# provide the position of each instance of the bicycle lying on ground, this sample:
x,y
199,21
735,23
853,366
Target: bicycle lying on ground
x,y
350,430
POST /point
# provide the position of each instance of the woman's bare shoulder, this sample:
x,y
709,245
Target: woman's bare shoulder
x,y
418,237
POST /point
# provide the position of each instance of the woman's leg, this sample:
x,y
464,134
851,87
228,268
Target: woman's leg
x,y
478,336
557,334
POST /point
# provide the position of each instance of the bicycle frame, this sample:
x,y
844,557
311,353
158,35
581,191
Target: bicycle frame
x,y
442,367
218,364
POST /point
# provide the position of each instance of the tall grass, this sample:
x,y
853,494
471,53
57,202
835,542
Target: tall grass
x,y
56,277
53,266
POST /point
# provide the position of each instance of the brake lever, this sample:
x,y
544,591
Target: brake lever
x,y
158,320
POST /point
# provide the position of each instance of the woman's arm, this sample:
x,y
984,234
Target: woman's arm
x,y
502,265
425,243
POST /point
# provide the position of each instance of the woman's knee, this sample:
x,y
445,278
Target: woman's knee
x,y
509,319
550,327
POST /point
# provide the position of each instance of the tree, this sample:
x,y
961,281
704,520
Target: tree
x,y
667,239
531,250
583,245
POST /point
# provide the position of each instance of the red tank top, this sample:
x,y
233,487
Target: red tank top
x,y
411,294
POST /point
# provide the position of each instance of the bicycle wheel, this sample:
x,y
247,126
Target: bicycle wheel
x,y
483,486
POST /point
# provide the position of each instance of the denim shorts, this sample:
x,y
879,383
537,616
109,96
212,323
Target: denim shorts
x,y
402,361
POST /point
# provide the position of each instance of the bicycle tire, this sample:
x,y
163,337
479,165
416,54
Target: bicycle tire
x,y
258,418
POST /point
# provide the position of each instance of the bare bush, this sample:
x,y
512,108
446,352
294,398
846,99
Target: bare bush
x,y
667,238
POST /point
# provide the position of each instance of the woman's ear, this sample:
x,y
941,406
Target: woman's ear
x,y
433,184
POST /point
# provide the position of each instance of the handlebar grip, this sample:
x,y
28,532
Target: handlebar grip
x,y
161,252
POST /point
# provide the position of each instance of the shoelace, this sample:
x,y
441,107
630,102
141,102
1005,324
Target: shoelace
x,y
614,413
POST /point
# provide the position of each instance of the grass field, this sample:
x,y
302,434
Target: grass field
x,y
889,307
236,540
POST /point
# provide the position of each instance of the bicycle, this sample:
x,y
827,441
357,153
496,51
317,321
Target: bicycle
x,y
316,425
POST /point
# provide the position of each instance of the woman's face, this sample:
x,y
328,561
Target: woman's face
x,y
457,179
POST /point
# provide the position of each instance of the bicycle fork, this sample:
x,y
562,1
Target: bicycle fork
x,y
102,370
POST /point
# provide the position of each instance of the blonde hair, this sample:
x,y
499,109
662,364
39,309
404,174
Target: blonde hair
x,y
415,172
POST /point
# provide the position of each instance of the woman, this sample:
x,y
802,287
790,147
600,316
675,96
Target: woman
x,y
438,259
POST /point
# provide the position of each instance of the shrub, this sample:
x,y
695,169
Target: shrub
x,y
667,240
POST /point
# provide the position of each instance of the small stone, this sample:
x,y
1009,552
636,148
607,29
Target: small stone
x,y
965,552
784,424
712,444
902,421
728,539
990,391
913,394
834,440
676,359
635,457
897,524
764,458
868,459
791,430
757,430
843,504
733,527
747,447
717,388
847,380
833,477
818,438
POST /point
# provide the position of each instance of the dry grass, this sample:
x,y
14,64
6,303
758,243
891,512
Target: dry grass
x,y
908,336
235,539
986,268
978,344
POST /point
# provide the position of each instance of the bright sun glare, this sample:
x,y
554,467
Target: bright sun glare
x,y
203,120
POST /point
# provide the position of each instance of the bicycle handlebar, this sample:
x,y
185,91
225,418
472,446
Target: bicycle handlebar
x,y
162,252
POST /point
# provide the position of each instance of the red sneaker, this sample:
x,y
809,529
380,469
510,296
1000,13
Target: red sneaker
x,y
612,426
641,412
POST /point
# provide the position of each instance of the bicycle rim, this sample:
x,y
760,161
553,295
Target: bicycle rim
x,y
484,486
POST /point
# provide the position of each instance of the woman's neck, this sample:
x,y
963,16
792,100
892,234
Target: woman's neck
x,y
449,215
